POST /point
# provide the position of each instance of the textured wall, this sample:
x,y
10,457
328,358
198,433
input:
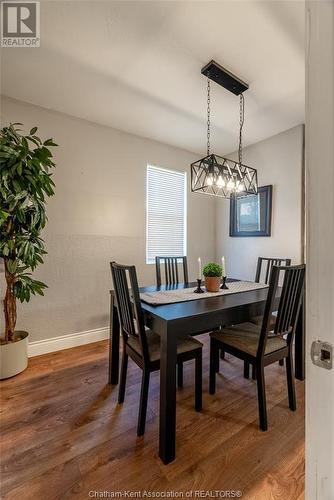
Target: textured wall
x,y
279,162
97,215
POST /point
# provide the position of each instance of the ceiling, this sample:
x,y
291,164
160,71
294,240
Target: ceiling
x,y
136,66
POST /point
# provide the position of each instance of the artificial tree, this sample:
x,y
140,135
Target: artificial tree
x,y
25,183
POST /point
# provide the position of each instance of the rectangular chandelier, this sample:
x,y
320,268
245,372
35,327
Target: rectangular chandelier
x,y
213,174
218,176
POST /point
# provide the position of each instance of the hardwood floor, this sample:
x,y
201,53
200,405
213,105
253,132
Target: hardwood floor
x,y
63,435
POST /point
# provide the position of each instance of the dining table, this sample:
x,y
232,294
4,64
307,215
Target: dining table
x,y
176,320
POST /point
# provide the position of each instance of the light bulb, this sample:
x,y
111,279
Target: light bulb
x,y
220,182
210,180
230,185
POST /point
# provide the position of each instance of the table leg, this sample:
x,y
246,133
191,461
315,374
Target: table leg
x,y
167,397
300,344
113,343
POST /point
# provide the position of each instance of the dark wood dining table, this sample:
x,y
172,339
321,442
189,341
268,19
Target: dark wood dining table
x,y
173,321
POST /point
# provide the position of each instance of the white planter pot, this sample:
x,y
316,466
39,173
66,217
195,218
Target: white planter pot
x,y
14,356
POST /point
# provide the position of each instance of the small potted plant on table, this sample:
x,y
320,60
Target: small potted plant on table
x,y
25,183
212,273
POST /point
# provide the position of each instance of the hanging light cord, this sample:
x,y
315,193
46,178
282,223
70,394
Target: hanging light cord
x,y
208,118
241,121
241,124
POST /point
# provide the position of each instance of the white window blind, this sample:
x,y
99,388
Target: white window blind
x,y
166,213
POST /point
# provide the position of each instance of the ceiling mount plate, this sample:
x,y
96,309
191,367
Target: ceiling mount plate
x,y
223,77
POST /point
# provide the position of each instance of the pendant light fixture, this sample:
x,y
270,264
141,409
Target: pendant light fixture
x,y
214,174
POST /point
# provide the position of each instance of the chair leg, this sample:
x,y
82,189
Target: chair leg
x,y
291,382
217,362
246,369
281,362
180,374
214,361
143,403
198,382
122,383
217,356
261,394
253,372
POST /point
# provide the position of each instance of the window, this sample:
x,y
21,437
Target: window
x,y
166,220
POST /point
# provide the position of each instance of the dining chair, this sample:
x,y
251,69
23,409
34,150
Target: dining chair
x,y
260,346
265,265
171,269
143,345
170,265
262,275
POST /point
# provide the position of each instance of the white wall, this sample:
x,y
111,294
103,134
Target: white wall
x,y
320,247
279,162
98,215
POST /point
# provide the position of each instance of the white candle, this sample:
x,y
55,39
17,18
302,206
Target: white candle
x,y
199,268
223,266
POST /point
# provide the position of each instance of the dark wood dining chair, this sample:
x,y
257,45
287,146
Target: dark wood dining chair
x,y
264,268
260,346
142,344
171,265
262,275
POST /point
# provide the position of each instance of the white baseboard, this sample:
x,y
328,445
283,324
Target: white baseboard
x,y
66,341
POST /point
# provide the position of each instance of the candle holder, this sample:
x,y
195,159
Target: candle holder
x,y
223,286
199,289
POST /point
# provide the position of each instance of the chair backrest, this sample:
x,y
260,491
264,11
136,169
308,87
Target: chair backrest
x,y
265,271
289,303
171,269
130,313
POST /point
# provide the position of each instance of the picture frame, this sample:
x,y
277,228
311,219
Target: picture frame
x,y
251,215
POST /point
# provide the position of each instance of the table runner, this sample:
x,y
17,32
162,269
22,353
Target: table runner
x,y
175,295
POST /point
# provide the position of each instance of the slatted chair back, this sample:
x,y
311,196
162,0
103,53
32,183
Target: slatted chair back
x,y
171,269
289,303
128,303
264,268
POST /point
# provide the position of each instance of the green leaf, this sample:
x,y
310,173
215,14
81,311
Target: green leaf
x,y
49,142
33,140
17,186
33,131
3,216
9,149
19,168
11,245
11,266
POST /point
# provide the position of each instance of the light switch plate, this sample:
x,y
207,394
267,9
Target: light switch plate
x,y
322,354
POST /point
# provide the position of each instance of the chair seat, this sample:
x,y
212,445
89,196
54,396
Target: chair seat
x,y
184,345
245,337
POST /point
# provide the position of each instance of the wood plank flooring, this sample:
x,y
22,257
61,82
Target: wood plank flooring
x,y
63,436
